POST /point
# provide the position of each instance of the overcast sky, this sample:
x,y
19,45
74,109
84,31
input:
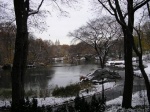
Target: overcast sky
x,y
60,26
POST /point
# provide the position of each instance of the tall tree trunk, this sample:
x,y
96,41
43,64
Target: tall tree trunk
x,y
128,83
25,52
22,11
128,31
16,74
20,56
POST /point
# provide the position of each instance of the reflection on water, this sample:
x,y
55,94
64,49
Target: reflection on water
x,y
70,74
48,78
37,79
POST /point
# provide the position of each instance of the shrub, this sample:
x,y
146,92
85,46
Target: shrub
x,y
96,105
30,93
70,90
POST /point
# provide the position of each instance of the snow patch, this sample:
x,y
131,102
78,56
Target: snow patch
x,y
138,98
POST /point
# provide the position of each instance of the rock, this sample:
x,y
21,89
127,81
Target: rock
x,y
103,73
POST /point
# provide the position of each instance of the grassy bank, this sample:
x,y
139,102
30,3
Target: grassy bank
x,y
70,90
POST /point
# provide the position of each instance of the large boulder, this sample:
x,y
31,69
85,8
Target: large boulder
x,y
100,74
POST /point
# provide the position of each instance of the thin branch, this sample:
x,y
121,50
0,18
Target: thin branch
x,y
148,9
139,5
106,7
36,11
121,21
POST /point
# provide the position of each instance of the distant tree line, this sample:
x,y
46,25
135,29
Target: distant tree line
x,y
42,51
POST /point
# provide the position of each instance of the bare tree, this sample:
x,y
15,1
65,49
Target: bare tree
x,y
99,34
124,12
22,12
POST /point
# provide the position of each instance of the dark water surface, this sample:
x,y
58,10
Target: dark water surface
x,y
48,78
43,79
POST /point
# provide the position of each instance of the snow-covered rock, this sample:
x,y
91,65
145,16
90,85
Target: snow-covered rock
x,y
100,74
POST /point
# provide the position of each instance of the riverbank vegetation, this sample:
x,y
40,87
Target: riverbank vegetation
x,y
71,90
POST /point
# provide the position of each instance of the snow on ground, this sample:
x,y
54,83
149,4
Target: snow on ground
x,y
147,70
97,89
116,101
138,98
59,100
4,103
